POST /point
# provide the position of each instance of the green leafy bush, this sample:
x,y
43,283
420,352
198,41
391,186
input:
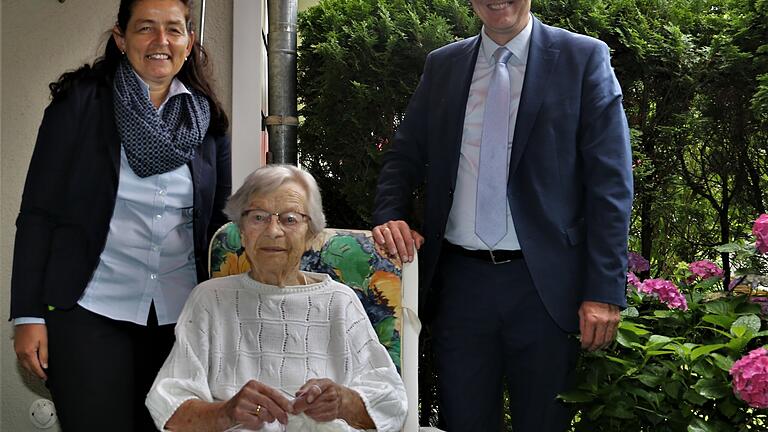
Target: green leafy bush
x,y
670,368
358,64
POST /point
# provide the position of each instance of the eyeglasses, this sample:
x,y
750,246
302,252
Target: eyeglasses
x,y
258,218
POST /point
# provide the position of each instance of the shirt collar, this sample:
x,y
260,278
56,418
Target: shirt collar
x,y
518,46
177,88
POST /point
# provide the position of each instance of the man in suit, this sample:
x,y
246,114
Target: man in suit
x,y
506,288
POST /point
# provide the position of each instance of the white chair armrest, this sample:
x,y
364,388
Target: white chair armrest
x,y
410,341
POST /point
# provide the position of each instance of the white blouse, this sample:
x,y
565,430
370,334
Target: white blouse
x,y
234,329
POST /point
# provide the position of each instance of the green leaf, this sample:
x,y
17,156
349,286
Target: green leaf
x,y
656,342
627,339
699,425
724,321
659,339
705,369
664,313
650,380
682,350
694,397
705,349
727,407
718,331
748,308
707,284
712,388
630,312
728,248
619,410
746,322
653,398
596,412
672,389
723,362
620,361
738,344
576,396
718,308
655,353
637,329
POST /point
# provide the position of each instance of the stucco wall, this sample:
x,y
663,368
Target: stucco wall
x,y
41,39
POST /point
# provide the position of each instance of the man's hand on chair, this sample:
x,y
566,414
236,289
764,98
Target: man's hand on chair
x,y
398,239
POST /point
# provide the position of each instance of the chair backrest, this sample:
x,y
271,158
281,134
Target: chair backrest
x,y
387,289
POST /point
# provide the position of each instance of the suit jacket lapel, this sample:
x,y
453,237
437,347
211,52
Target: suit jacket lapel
x,y
541,60
462,68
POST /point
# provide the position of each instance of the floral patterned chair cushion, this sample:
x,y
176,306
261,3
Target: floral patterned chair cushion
x,y
387,289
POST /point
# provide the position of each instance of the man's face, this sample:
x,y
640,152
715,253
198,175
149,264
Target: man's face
x,y
503,19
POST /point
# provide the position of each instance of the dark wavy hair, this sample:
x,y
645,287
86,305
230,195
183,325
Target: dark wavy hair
x,y
195,73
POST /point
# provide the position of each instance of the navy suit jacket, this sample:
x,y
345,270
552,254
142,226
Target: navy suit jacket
x,y
70,194
570,177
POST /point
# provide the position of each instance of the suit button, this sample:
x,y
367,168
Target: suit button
x,y
450,192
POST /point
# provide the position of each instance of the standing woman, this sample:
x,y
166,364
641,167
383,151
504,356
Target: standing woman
x,y
128,179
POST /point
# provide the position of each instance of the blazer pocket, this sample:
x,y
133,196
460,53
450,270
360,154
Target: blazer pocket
x,y
577,233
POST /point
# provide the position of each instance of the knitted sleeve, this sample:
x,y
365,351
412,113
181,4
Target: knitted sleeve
x,y
374,376
184,375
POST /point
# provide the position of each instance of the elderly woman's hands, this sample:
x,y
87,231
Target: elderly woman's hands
x,y
256,404
323,400
253,406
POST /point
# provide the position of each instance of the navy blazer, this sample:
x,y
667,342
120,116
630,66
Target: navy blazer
x,y
70,194
570,177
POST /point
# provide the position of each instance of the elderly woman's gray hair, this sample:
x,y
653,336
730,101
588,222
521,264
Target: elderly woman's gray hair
x,y
266,180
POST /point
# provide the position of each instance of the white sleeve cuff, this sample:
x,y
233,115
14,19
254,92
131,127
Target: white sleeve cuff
x,y
28,320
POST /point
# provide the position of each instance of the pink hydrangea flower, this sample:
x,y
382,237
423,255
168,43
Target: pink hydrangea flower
x,y
750,378
760,231
704,269
665,291
633,280
637,264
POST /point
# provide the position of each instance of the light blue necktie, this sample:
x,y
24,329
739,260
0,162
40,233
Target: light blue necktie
x,y
491,205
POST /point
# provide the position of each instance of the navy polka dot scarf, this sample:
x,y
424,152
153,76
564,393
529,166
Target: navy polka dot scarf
x,y
154,143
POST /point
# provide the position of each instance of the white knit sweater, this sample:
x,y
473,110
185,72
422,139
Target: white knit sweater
x,y
234,329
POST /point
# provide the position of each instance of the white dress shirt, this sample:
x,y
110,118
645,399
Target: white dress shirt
x,y
460,229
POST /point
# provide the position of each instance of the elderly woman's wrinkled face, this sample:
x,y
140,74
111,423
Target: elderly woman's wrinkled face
x,y
274,244
156,40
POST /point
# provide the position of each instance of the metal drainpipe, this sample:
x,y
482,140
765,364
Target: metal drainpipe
x,y
282,122
202,21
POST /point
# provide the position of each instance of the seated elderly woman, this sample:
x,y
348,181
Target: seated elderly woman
x,y
276,348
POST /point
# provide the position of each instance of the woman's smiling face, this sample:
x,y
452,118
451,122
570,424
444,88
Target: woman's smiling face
x,y
156,40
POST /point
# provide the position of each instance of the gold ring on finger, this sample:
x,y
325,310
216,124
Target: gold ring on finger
x,y
258,410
